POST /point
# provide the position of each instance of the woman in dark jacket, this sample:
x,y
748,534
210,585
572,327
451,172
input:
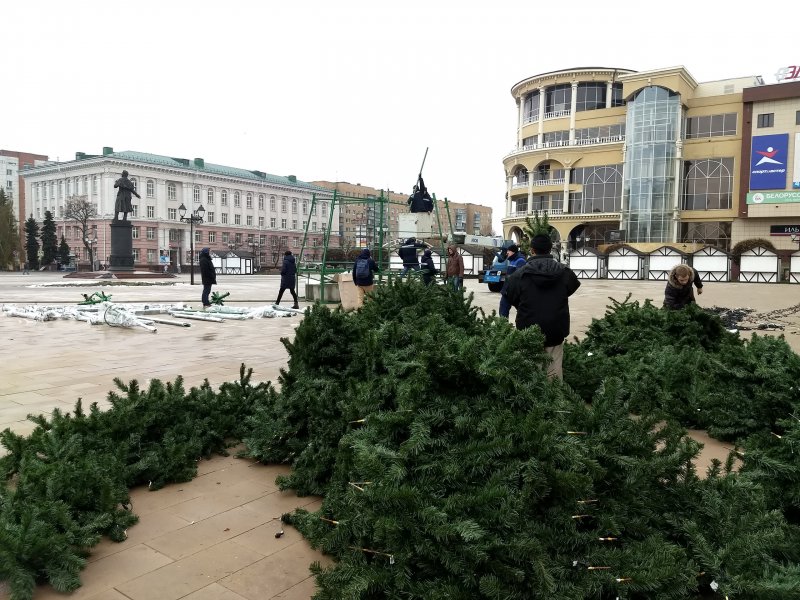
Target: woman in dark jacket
x,y
288,277
679,292
207,274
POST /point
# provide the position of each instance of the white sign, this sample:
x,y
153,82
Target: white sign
x,y
788,73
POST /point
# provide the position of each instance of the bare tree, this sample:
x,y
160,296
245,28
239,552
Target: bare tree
x,y
82,211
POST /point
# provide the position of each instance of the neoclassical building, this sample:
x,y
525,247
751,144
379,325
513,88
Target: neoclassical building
x,y
613,154
249,211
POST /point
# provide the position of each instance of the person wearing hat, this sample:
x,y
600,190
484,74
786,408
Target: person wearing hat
x,y
208,275
515,261
540,292
288,277
363,268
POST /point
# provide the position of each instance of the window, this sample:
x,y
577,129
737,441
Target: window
x,y
151,255
714,233
171,193
94,186
237,219
766,119
136,255
210,196
294,206
224,197
151,233
209,217
296,242
260,221
53,189
314,226
224,218
294,223
250,238
135,212
172,214
272,203
708,184
324,207
602,190
283,204
135,233
283,223
237,200
590,96
558,98
250,220
151,211
198,235
175,235
196,195
530,110
261,202
272,222
238,239
797,118
262,239
151,190
249,200
305,207
225,237
135,183
212,237
711,126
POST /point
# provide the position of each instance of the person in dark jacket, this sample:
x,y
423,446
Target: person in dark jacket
x,y
208,275
420,200
364,282
679,292
288,277
428,268
515,261
540,292
454,268
408,254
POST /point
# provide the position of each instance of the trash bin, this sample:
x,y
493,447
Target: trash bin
x,y
348,292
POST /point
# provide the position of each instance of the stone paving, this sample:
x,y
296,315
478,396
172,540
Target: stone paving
x,y
214,538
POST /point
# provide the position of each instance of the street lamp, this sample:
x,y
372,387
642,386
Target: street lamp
x,y
255,247
92,243
195,217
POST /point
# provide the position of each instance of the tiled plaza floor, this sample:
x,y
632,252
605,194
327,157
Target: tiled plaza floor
x,y
214,538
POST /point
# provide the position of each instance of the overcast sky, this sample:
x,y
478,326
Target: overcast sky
x,y
342,89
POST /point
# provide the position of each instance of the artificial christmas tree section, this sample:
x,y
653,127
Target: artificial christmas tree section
x,y
452,468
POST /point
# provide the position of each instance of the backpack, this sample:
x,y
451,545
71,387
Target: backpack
x,y
362,269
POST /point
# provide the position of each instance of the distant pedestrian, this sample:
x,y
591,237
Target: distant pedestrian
x,y
408,254
363,269
679,292
288,277
207,274
540,292
455,268
25,268
515,260
429,270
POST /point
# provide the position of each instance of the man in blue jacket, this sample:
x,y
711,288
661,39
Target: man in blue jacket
x,y
540,292
515,261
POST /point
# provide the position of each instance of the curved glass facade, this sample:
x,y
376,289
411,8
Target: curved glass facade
x,y
652,128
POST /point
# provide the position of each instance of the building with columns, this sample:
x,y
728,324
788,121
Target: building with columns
x,y
245,210
647,157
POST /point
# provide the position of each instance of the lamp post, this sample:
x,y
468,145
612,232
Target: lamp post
x,y
92,243
194,217
255,247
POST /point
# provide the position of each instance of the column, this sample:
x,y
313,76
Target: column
x,y
609,92
509,181
565,208
542,91
676,210
572,108
521,110
530,192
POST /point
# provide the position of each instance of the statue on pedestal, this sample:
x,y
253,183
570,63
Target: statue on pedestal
x,y
123,204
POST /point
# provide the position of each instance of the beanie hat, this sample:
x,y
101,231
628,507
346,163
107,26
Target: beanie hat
x,y
205,251
542,243
287,253
514,248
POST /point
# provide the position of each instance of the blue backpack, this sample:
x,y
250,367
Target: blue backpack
x,y
362,269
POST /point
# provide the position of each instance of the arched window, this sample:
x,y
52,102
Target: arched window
x,y
237,199
284,204
305,207
261,202
249,200
602,190
708,184
520,176
294,206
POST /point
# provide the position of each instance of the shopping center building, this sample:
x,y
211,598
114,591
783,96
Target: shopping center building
x,y
653,158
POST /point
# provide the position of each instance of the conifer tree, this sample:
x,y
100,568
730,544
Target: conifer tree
x,y
49,239
32,242
63,251
9,234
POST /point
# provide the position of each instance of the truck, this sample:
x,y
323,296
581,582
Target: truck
x,y
495,275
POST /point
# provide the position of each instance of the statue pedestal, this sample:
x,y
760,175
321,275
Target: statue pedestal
x,y
121,246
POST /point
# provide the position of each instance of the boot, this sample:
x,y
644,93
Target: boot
x,y
296,305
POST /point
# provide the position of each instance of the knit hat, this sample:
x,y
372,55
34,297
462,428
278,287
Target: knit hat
x,y
205,251
542,243
514,248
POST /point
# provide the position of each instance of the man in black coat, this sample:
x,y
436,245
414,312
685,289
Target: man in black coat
x,y
288,277
207,274
540,292
408,254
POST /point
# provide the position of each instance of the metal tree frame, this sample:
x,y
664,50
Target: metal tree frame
x,y
378,236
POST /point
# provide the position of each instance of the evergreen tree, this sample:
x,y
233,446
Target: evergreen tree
x,y
63,251
49,239
32,242
9,234
538,225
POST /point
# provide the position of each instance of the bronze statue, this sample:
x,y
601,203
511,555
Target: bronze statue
x,y
123,204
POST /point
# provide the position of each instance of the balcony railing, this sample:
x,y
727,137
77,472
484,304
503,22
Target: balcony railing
x,y
544,182
613,139
528,213
556,114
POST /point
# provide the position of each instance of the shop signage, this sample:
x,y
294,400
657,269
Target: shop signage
x,y
784,229
768,154
788,73
773,197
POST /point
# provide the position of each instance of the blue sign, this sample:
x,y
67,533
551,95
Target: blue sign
x,y
768,154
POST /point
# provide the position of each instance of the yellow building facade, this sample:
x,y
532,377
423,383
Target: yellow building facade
x,y
609,154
